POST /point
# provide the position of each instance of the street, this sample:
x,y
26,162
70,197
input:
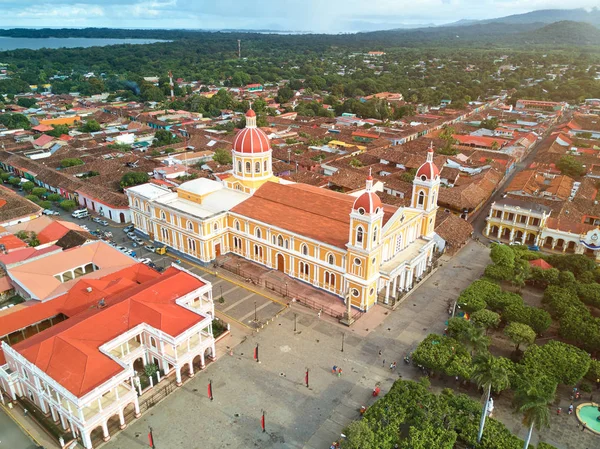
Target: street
x,y
11,435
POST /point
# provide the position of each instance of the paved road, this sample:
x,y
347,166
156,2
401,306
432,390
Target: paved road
x,y
298,417
11,435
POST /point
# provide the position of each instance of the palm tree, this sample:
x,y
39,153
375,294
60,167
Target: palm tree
x,y
488,373
475,338
533,401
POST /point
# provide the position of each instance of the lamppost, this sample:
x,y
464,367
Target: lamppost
x,y
255,319
286,289
238,268
348,320
295,316
221,287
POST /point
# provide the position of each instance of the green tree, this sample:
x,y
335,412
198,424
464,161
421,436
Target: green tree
x,y
58,130
488,374
28,186
15,121
486,319
502,255
163,138
38,191
447,135
564,363
570,166
134,179
427,436
359,435
68,205
26,102
519,334
534,405
222,157
356,163
14,181
477,340
33,198
54,197
91,126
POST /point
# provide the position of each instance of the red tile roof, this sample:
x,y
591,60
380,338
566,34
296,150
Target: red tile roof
x,y
480,141
43,140
540,263
12,242
320,214
69,352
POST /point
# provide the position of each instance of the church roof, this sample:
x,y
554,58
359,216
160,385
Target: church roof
x,y
312,212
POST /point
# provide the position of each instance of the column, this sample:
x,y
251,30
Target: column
x,y
122,419
202,363
52,412
213,352
136,405
387,292
512,235
191,367
500,229
72,430
105,431
87,441
402,285
394,289
178,376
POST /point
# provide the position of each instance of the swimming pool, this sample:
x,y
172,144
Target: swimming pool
x,y
588,413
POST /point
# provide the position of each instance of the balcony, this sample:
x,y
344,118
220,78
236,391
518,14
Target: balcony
x,y
194,342
107,401
127,351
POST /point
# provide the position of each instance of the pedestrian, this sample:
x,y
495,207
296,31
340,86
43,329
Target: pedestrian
x,y
383,362
319,313
558,410
391,366
339,372
571,409
334,369
394,365
577,395
582,426
25,411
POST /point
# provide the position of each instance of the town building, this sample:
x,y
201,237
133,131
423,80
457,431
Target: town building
x,y
351,245
78,357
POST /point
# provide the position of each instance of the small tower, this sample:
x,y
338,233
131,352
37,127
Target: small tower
x,y
426,187
364,258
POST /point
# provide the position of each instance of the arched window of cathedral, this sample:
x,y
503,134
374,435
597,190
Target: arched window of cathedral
x,y
258,233
330,259
148,208
359,235
190,226
216,227
257,167
332,280
279,240
327,277
137,203
265,165
421,199
375,234
248,167
236,225
287,244
304,249
239,166
163,216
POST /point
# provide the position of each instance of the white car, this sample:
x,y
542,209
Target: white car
x,y
145,260
138,240
85,228
150,248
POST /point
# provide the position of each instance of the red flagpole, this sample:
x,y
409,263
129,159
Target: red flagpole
x,y
210,392
256,353
306,378
151,439
262,421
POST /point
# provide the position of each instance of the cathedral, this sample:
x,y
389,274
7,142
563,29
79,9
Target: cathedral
x,y
351,245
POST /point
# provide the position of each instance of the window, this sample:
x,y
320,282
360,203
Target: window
x,y
236,225
279,240
304,268
375,234
258,251
257,167
265,166
330,259
147,208
258,233
357,261
371,292
165,234
153,342
163,215
421,199
274,240
190,226
239,166
330,279
287,243
216,227
359,235
237,243
248,168
398,243
192,245
137,204
355,292
304,249
361,210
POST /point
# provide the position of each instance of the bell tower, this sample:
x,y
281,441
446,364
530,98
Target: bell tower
x,y
426,187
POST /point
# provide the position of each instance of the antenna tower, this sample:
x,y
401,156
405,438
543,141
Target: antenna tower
x,y
239,49
172,85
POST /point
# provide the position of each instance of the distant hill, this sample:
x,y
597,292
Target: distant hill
x,y
543,16
562,33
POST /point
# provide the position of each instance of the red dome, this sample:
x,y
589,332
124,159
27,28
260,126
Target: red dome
x,y
250,113
369,201
251,140
429,170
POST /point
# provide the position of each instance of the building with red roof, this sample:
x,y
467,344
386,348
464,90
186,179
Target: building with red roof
x,y
77,357
338,242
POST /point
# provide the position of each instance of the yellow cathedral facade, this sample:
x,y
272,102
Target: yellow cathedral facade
x,y
351,245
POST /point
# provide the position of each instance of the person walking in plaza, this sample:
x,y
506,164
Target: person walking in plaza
x,y
558,410
339,372
334,369
383,362
571,409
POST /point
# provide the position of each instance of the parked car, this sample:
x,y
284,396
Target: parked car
x,y
85,228
145,260
96,220
103,222
122,248
108,234
138,240
150,248
49,212
128,229
533,248
131,235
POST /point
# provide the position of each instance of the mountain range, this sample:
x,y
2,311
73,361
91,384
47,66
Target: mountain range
x,y
591,16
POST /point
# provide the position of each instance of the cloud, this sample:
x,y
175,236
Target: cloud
x,y
307,15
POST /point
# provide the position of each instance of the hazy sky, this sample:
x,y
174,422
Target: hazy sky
x,y
305,15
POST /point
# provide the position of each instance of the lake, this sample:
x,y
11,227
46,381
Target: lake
x,y
13,43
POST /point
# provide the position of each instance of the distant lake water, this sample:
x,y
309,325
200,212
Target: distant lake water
x,y
13,43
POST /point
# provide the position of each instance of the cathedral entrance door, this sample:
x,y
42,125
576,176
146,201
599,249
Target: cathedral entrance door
x,y
280,263
217,250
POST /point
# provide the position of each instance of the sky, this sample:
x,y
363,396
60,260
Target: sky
x,y
329,16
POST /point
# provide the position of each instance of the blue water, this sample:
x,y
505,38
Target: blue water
x,y
13,43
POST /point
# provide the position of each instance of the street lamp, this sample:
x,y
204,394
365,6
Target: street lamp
x,y
238,268
286,289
